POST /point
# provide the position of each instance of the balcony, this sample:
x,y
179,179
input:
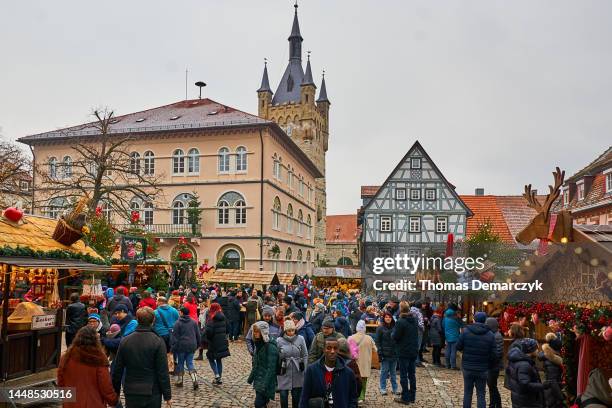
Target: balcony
x,y
169,230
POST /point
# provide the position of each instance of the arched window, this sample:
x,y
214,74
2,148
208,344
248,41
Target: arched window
x,y
232,201
53,167
193,161
224,160
67,164
308,226
135,205
135,163
275,166
107,210
308,259
290,218
56,206
233,259
240,212
148,213
149,163
241,159
288,259
276,212
345,260
178,162
300,223
178,213
299,261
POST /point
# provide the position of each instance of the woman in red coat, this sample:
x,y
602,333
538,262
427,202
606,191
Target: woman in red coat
x,y
192,305
84,367
147,300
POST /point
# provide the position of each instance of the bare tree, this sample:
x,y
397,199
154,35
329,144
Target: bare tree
x,y
104,169
15,166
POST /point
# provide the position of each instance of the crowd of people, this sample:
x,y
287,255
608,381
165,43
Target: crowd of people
x,y
311,347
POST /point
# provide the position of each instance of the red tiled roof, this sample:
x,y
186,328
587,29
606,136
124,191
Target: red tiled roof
x,y
485,208
596,196
369,191
341,228
596,165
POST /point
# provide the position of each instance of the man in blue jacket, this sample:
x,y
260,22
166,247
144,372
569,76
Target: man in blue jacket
x,y
328,381
452,327
405,334
165,317
479,355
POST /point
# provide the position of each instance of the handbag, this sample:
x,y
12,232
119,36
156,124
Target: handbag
x,y
317,402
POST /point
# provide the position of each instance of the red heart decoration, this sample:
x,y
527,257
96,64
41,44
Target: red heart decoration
x,y
13,214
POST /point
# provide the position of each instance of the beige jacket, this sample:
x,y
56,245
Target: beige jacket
x,y
366,347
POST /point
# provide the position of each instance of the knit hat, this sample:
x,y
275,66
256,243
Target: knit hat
x,y
175,293
185,310
328,322
133,289
492,324
480,317
264,328
289,325
553,341
298,315
528,345
267,310
361,326
94,316
120,308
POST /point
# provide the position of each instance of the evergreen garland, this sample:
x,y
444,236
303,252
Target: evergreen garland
x,y
21,251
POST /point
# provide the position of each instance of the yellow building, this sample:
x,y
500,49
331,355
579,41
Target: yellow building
x,y
303,116
256,186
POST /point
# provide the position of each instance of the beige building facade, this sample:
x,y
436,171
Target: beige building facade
x,y
255,185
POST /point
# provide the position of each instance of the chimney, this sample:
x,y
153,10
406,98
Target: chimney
x,y
479,191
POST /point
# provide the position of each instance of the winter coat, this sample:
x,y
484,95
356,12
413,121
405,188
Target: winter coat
x,y
185,336
232,314
252,307
316,320
127,326
193,310
150,302
291,352
142,356
216,337
86,371
523,380
318,346
553,371
452,325
135,300
366,347
385,345
263,372
406,336
435,331
76,317
499,351
119,300
170,315
344,386
341,325
597,393
477,343
307,333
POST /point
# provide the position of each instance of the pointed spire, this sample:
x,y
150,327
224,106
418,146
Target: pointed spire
x,y
308,75
265,83
323,91
295,39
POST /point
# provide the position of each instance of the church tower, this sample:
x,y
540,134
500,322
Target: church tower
x,y
304,117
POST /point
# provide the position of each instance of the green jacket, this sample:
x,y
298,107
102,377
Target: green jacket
x,y
263,373
318,346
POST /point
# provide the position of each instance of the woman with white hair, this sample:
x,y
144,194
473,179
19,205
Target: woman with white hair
x,y
293,356
364,360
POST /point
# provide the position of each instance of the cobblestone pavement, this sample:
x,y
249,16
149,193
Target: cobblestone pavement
x,y
436,387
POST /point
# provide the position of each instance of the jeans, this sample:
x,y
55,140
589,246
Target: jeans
x,y
296,394
261,401
419,353
234,330
494,397
143,401
217,366
408,373
471,379
184,359
436,354
451,354
388,368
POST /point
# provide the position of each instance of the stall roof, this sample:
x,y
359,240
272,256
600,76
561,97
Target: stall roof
x,y
346,273
287,278
239,276
26,262
36,232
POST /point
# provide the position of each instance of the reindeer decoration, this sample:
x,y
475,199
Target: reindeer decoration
x,y
539,226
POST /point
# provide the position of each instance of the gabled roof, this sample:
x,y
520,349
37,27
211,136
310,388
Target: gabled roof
x,y
341,229
596,197
597,165
417,145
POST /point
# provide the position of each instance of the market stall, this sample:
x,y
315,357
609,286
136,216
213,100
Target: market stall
x,y
34,268
241,277
337,278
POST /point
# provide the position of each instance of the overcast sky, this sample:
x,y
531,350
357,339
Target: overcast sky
x,y
497,92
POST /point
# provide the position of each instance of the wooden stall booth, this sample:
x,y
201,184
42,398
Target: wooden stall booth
x,y
34,268
344,278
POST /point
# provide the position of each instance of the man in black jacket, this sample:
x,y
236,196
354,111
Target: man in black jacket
x,y
142,355
406,336
76,317
232,314
477,342
119,299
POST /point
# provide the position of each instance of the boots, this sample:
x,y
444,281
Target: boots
x,y
194,379
200,355
218,380
179,380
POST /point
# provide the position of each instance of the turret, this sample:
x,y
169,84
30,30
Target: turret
x,y
308,87
264,93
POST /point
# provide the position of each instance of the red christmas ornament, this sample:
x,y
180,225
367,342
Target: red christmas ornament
x,y
135,217
98,211
13,214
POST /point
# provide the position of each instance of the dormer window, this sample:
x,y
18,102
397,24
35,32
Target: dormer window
x,y
566,197
608,174
580,191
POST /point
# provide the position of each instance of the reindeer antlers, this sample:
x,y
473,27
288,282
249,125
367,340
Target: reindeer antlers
x,y
533,202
